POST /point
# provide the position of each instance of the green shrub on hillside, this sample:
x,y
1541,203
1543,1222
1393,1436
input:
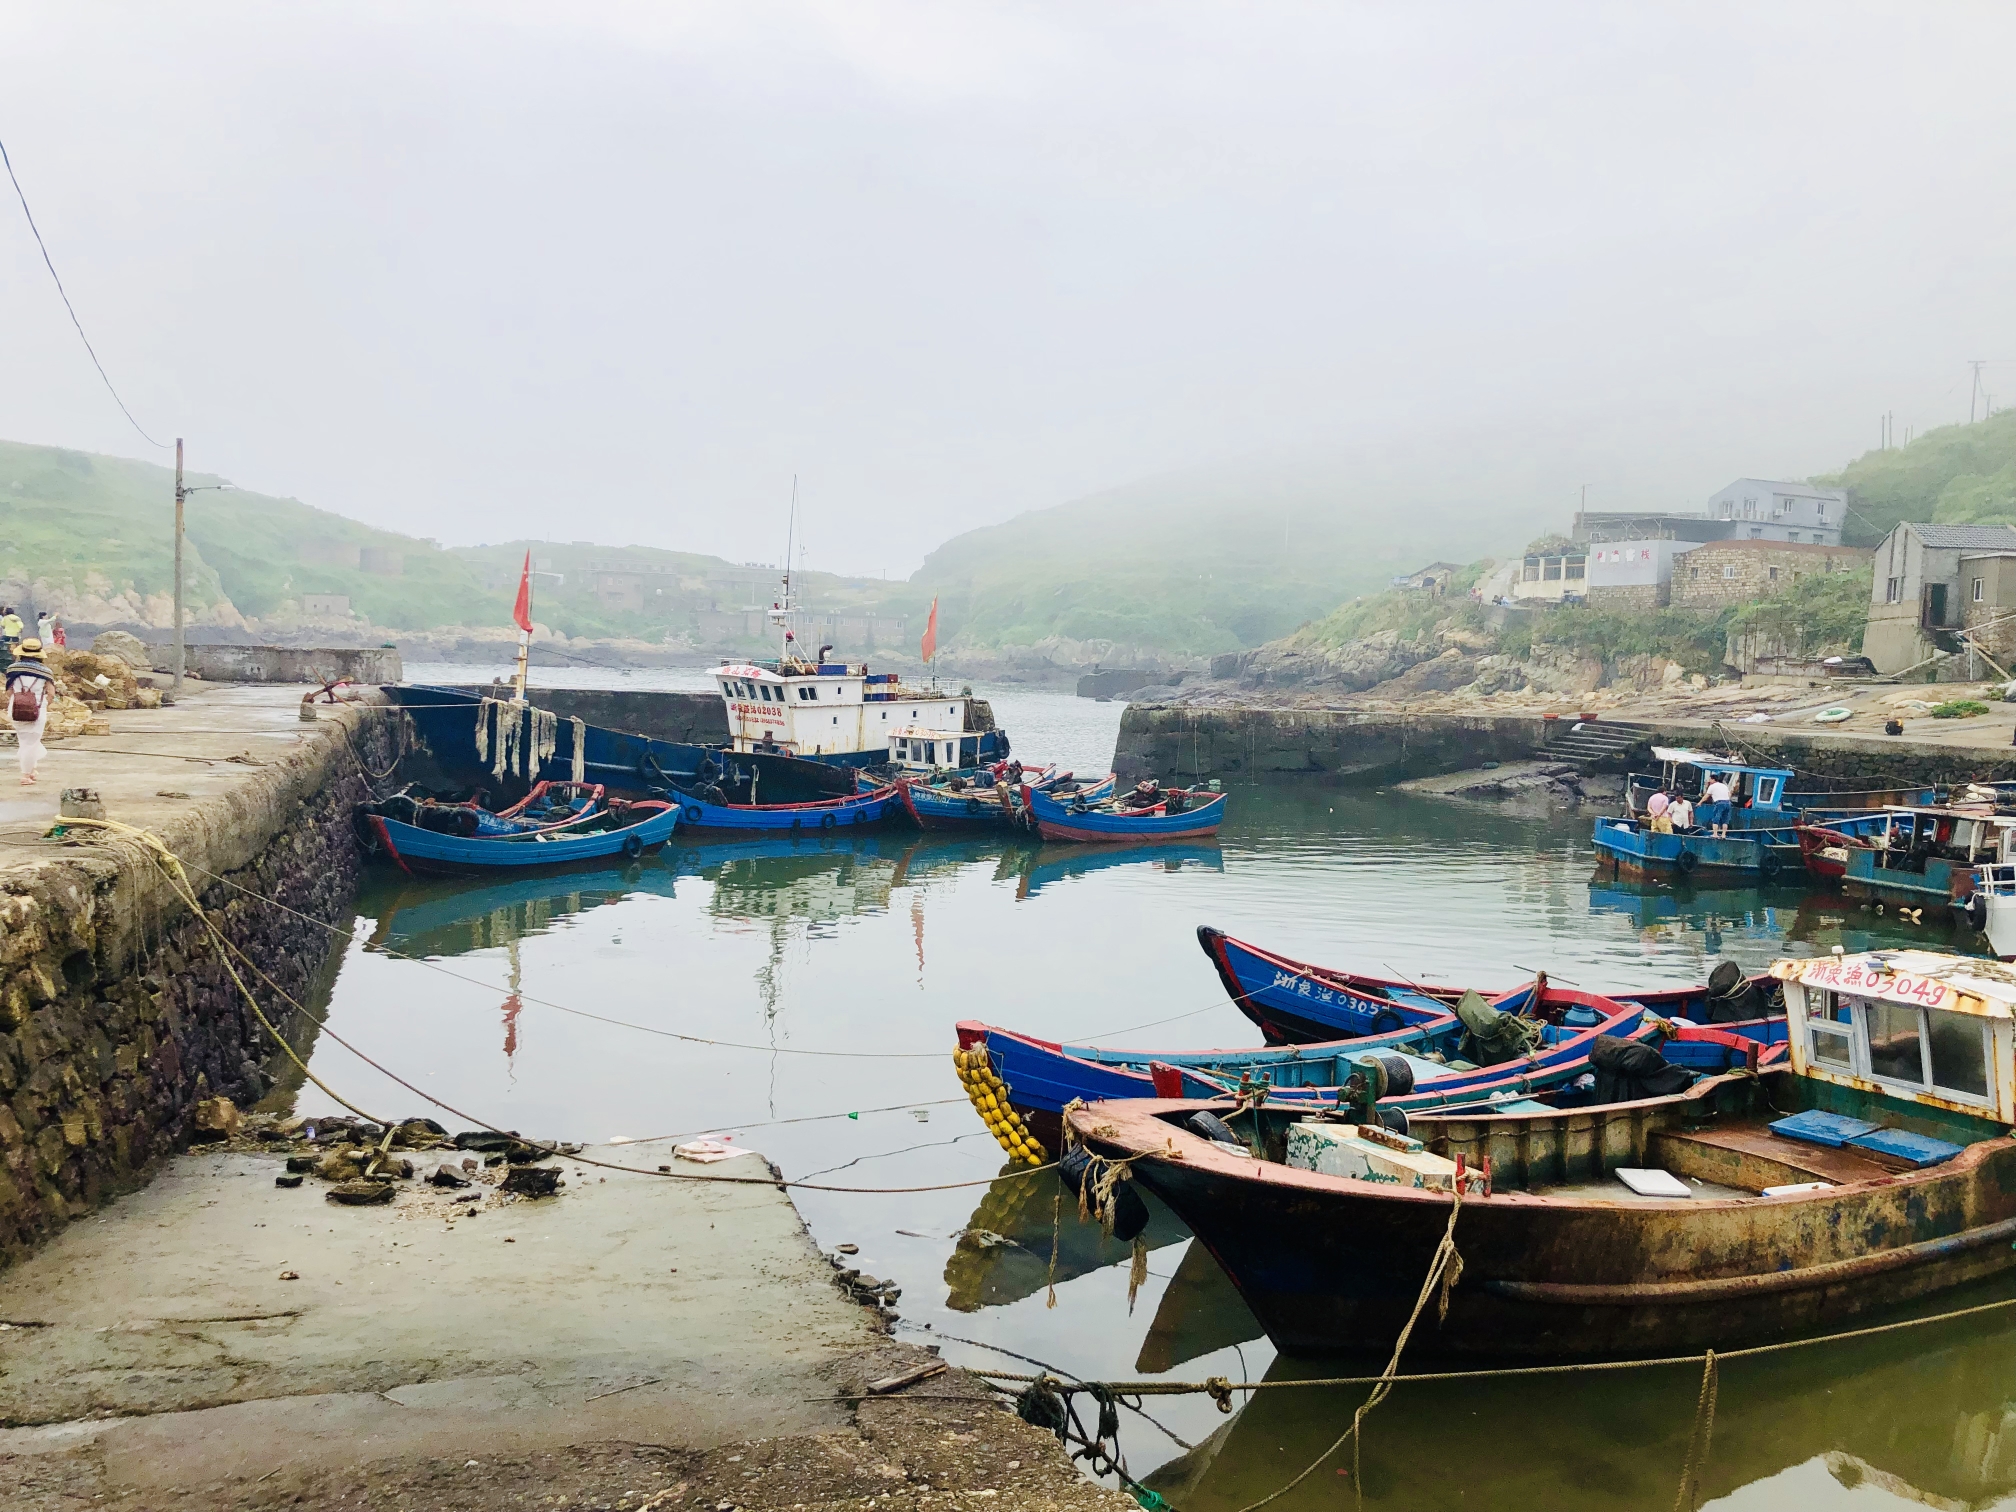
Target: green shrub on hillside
x,y
1957,475
1822,611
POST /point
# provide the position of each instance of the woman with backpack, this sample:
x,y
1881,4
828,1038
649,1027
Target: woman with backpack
x,y
30,687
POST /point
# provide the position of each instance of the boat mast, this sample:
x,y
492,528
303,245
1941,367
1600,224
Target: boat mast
x,y
781,613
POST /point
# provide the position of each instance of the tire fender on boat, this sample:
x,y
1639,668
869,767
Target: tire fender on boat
x,y
826,821
1687,861
633,846
692,814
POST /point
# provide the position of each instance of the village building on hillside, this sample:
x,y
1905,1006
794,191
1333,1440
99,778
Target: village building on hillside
x,y
1733,572
1758,509
1933,581
1434,578
1636,574
1550,579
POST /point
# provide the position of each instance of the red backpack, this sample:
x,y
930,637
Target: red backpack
x,y
24,707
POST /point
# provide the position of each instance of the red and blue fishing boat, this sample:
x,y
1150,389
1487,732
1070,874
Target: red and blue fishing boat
x,y
1144,814
962,804
700,815
1293,1002
1423,1067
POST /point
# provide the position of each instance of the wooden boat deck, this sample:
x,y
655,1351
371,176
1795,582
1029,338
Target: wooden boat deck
x,y
1744,1154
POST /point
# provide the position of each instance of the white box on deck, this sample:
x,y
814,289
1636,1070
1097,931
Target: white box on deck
x,y
1370,1155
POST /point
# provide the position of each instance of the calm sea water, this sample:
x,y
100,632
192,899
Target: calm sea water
x,y
871,950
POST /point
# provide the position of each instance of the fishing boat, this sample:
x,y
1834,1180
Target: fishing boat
x,y
1876,1167
1523,1055
1914,857
699,814
482,740
961,803
1293,1002
1635,848
623,830
1145,814
1825,847
1763,797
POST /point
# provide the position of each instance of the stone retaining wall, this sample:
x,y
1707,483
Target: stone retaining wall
x,y
116,1016
375,665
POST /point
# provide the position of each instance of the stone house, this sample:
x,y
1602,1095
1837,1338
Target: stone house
x,y
1732,572
1635,574
1922,592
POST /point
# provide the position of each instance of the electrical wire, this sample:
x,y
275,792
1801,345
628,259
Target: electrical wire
x,y
49,263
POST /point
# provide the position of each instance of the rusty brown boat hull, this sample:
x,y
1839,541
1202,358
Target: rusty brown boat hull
x,y
1330,1265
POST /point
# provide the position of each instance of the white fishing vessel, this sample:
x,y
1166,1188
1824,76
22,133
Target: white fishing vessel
x,y
840,711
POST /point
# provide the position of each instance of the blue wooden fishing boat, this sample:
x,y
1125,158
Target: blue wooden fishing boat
x,y
632,830
1039,1078
700,816
1914,857
1174,814
1763,796
971,805
1293,1002
1632,848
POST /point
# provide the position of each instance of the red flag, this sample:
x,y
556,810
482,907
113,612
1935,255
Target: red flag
x,y
931,633
521,612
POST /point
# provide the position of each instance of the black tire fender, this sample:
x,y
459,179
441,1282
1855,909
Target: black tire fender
x,y
827,821
1687,861
633,846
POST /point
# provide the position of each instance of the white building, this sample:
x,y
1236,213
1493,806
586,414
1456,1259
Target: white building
x,y
1759,509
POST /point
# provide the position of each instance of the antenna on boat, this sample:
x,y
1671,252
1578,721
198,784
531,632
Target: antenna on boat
x,y
781,614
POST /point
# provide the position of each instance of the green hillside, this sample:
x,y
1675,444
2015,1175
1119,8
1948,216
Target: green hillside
x,y
104,526
1956,475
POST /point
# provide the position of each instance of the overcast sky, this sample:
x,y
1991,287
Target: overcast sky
x,y
616,272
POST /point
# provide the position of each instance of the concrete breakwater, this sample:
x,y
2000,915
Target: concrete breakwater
x,y
1188,744
116,1015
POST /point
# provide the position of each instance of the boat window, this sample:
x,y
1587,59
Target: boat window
x,y
808,692
1767,791
1959,1054
1896,1043
1829,1046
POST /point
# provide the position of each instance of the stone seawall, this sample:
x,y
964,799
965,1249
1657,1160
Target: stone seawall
x,y
1350,746
116,1016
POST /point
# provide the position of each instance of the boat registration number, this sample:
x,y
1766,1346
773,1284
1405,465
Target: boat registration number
x,y
1853,976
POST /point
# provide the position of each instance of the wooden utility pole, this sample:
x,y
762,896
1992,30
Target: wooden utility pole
x,y
180,494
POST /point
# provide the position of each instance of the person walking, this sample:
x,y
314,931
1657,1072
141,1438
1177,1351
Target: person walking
x,y
11,631
30,687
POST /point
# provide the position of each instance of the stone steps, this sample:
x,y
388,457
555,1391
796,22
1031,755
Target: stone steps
x,y
1590,742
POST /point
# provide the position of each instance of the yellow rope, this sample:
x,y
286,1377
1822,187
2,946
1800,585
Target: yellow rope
x,y
1689,1495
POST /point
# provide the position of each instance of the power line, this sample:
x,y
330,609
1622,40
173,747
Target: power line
x,y
50,264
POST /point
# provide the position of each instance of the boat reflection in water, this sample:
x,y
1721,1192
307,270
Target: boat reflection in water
x,y
1004,1253
1038,867
1726,916
1927,1414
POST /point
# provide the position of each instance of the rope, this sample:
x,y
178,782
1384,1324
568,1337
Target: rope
x,y
1689,1495
693,1039
225,949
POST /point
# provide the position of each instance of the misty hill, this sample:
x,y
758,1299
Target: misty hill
x,y
1193,566
1956,475
92,538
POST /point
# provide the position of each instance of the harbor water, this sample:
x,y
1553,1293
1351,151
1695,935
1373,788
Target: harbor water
x,y
801,997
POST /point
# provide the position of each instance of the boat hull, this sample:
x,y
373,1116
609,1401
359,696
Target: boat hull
x,y
1625,847
420,850
1335,1266
1057,820
698,817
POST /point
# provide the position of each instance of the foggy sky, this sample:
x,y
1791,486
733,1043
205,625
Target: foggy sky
x,y
616,272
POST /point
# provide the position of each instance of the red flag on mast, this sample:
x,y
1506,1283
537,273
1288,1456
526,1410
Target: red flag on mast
x,y
521,612
931,633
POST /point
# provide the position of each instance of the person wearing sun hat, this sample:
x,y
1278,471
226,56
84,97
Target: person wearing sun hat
x,y
30,687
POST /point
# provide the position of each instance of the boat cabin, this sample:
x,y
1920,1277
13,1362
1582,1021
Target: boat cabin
x,y
916,748
831,710
1756,790
1910,1026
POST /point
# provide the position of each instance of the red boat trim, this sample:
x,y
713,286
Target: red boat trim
x,y
385,839
1725,1288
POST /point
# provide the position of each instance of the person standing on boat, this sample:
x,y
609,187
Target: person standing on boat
x,y
1681,812
1656,804
29,690
1715,812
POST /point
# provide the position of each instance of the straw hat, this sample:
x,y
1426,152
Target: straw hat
x,y
29,650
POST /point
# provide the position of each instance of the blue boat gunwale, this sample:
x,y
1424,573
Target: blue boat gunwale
x,y
1050,816
406,843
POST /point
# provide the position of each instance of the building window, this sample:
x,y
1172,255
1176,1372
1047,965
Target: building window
x,y
1550,570
1577,568
1756,532
1792,535
1894,593
1693,573
1728,572
1531,574
1821,505
1979,583
1774,574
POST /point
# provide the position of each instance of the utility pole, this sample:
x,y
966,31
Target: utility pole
x,y
180,494
1977,364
